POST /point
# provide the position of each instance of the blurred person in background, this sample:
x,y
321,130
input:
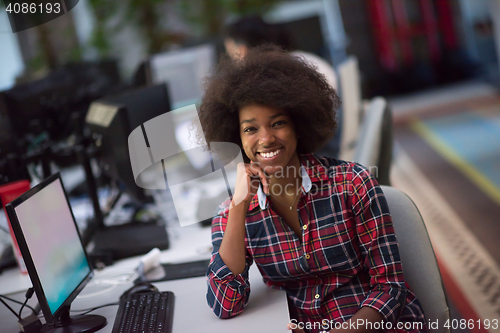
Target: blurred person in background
x,y
252,31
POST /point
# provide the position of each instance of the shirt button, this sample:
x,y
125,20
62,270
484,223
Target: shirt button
x,y
316,296
307,256
304,227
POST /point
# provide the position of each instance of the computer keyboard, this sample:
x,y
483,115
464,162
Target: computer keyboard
x,y
150,312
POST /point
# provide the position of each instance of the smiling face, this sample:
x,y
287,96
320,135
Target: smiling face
x,y
268,137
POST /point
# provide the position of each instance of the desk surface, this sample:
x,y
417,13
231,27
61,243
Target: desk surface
x,y
267,310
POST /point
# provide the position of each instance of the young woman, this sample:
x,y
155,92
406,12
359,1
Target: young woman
x,y
316,227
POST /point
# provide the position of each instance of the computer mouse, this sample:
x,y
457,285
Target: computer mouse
x,y
142,287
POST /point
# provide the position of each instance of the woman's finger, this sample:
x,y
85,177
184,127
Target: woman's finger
x,y
256,170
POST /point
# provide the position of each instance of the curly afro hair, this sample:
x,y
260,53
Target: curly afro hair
x,y
271,77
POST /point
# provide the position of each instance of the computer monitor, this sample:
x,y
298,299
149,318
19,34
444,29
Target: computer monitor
x,y
313,26
183,70
113,118
48,105
306,35
56,260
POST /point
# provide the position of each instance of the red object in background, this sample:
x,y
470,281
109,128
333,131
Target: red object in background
x,y
403,31
446,24
8,193
384,37
430,28
394,33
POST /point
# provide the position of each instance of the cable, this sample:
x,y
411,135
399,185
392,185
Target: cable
x,y
15,301
86,311
29,324
11,309
28,295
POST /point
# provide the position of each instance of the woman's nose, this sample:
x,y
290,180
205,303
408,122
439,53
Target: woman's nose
x,y
266,137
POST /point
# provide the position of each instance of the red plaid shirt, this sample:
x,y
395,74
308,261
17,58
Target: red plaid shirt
x,y
348,257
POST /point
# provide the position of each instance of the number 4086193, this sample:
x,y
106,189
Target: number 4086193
x,y
472,324
33,8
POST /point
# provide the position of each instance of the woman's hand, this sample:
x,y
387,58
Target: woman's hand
x,y
248,178
232,248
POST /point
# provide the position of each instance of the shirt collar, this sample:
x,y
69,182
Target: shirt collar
x,y
315,172
262,197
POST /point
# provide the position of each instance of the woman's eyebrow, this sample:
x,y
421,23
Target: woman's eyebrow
x,y
271,117
247,121
277,115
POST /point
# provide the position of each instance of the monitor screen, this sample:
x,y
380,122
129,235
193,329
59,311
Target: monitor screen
x,y
53,251
48,105
183,71
111,120
53,242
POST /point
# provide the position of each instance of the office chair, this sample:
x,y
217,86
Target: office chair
x,y
374,145
350,95
419,262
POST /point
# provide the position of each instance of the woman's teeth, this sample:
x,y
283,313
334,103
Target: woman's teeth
x,y
272,154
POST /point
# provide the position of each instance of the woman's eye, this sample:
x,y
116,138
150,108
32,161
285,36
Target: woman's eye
x,y
279,122
248,129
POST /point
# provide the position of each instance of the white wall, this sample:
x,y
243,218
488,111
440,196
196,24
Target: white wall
x,y
84,22
11,62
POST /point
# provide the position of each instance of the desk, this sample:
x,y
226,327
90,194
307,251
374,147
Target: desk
x,y
267,309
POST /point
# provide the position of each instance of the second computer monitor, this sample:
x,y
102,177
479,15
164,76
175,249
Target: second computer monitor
x,y
113,118
183,71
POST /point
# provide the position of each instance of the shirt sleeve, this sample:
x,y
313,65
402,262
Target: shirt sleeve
x,y
227,293
378,246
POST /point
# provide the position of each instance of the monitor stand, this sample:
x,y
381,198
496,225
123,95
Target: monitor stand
x,y
77,324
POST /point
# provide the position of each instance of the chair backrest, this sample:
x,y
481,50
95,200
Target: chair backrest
x,y
350,94
374,144
417,256
386,147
